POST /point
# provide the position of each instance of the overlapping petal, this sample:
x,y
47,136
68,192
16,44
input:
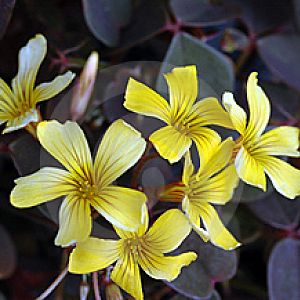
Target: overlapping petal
x,y
47,90
218,234
284,177
93,254
170,143
126,274
183,89
121,147
123,207
75,222
67,143
165,267
40,187
164,236
8,103
250,169
143,100
188,168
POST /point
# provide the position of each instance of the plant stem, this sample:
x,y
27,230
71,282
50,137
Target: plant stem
x,y
96,286
54,284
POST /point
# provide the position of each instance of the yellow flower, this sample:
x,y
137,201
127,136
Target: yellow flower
x,y
85,183
255,151
214,184
140,248
185,119
18,105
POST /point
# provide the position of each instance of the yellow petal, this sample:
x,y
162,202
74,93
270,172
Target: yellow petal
x,y
121,147
93,255
165,267
193,214
188,169
209,111
126,274
217,159
249,169
236,113
42,186
8,104
30,59
141,99
259,107
283,140
75,221
170,143
163,236
284,177
67,143
219,235
123,234
183,89
48,90
123,207
21,121
206,141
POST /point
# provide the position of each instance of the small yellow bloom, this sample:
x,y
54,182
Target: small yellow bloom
x,y
214,184
18,105
255,151
185,119
85,183
140,248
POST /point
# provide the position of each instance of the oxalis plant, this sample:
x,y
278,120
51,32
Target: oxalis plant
x,y
89,187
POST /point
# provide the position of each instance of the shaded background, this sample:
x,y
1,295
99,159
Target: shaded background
x,y
226,40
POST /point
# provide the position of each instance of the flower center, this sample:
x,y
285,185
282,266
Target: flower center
x,y
133,245
86,190
182,128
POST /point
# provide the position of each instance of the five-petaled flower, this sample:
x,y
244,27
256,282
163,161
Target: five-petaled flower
x,y
18,105
85,183
213,184
144,248
185,119
255,151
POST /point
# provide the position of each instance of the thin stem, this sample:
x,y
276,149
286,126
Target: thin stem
x,y
96,286
54,284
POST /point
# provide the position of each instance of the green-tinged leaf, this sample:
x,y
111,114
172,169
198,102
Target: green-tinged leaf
x,y
106,17
280,52
277,211
214,69
251,194
8,254
212,265
202,12
283,270
6,9
263,15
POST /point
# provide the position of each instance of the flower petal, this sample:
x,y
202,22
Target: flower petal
x,y
163,236
42,186
47,90
170,143
219,235
141,99
209,111
126,274
284,177
165,267
67,143
21,121
249,169
123,207
93,255
75,221
283,140
121,147
8,104
183,89
206,141
236,113
188,169
259,107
